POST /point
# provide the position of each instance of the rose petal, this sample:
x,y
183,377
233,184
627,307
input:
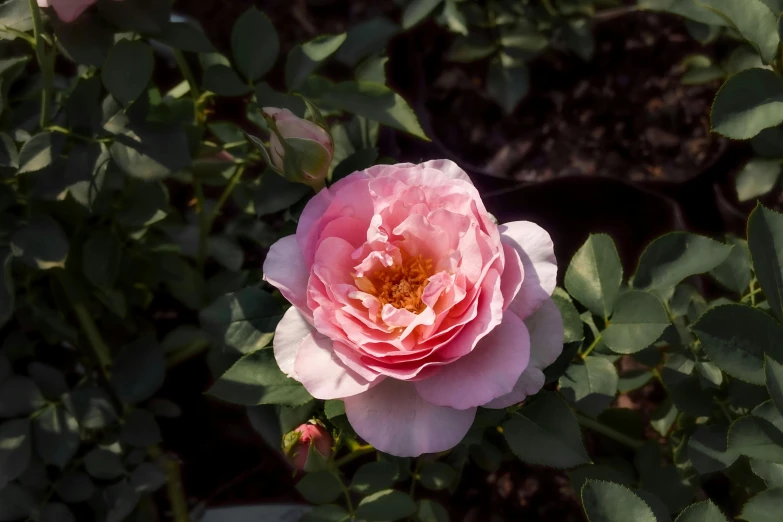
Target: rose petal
x,y
285,269
396,420
491,370
70,10
322,373
546,345
537,253
447,167
289,334
512,276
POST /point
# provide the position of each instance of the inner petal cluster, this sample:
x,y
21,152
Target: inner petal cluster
x,y
400,285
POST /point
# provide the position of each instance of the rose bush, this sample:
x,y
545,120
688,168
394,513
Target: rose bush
x,y
413,306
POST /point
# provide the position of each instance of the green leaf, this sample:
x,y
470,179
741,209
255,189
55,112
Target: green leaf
x,y
223,81
15,449
276,193
74,487
545,432
590,384
244,321
121,499
764,507
574,330
734,273
437,475
639,320
702,512
19,396
139,370
128,70
101,257
673,257
103,464
359,160
756,438
320,487
431,511
186,37
707,449
139,16
304,59
375,102
326,513
16,502
56,512
388,505
151,152
609,502
418,10
87,40
594,275
507,85
366,38
749,102
773,372
140,429
7,292
256,379
752,19
92,408
765,239
254,44
56,435
736,337
756,178
148,478
769,472
40,152
373,477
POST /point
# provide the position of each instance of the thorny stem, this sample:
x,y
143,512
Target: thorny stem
x,y
232,183
606,431
179,505
40,53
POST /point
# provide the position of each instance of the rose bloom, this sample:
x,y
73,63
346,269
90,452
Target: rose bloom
x,y
413,306
67,10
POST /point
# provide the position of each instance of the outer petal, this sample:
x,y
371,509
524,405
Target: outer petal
x,y
70,10
491,370
285,269
289,334
537,253
322,373
396,420
546,344
447,167
513,275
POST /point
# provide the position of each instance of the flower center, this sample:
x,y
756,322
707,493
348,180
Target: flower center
x,y
401,286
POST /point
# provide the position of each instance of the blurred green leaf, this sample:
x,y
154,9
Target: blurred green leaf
x,y
41,151
373,477
140,16
56,434
366,38
186,37
244,321
773,372
545,432
140,429
507,84
320,487
749,102
707,449
752,19
103,464
254,44
326,513
16,502
764,507
87,40
256,379
734,273
765,239
756,438
736,338
757,178
101,257
223,81
15,450
56,512
7,291
388,505
702,512
92,408
128,70
437,475
139,370
418,10
305,58
74,487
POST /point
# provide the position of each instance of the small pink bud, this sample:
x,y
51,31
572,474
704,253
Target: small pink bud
x,y
298,443
312,142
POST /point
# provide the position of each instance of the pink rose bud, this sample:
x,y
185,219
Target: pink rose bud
x,y
298,442
68,10
312,144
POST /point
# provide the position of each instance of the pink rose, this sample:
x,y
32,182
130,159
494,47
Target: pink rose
x,y
312,142
68,10
305,436
413,306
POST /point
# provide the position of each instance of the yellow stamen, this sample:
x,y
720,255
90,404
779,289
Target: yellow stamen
x,y
401,286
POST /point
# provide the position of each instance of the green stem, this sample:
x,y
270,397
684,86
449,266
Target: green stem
x,y
232,183
176,492
203,224
47,72
187,73
606,431
590,348
353,455
346,492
